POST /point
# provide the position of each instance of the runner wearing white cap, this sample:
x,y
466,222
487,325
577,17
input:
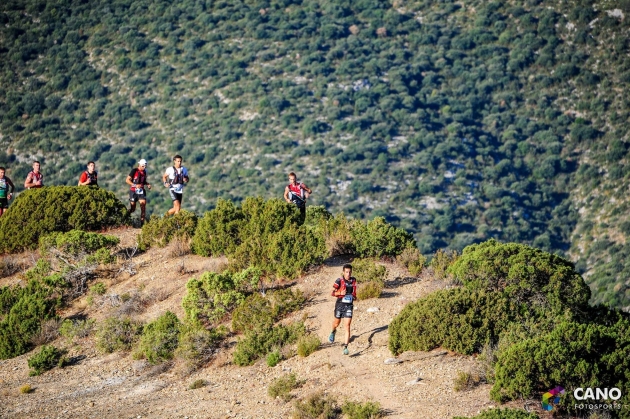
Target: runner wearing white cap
x,y
137,179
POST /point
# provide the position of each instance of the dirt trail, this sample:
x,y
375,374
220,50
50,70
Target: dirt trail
x,y
116,386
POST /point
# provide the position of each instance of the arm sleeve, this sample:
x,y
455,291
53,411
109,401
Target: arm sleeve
x,y
336,286
11,185
354,288
83,177
132,174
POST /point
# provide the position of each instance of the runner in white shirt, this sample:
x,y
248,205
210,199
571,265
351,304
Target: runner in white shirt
x,y
175,178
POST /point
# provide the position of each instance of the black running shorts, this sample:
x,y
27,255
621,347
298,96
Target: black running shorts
x,y
134,197
343,310
175,196
4,203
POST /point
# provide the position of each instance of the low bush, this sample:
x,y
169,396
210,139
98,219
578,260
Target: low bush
x,y
197,384
467,380
48,331
273,358
160,231
376,238
412,260
26,389
457,319
196,345
116,334
584,355
24,309
502,414
286,301
76,329
307,344
258,343
212,296
372,289
282,387
98,289
76,243
255,313
336,233
440,262
316,406
37,212
159,339
367,410
46,359
9,265
367,270
262,234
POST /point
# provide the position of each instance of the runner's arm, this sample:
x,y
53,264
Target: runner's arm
x,y
28,183
307,189
129,181
286,194
83,182
11,185
164,178
336,286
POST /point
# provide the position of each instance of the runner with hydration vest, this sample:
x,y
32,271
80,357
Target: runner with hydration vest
x,y
35,178
5,193
175,178
297,193
345,289
90,176
137,179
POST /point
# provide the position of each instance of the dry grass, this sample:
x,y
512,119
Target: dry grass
x,y
48,332
9,265
180,246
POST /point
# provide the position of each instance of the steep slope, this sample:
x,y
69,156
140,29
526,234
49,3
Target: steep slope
x,y
117,386
458,121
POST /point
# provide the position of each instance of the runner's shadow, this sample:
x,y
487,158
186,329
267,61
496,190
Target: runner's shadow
x,y
75,360
370,338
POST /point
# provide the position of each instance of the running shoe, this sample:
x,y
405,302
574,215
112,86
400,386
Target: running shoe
x,y
331,338
345,350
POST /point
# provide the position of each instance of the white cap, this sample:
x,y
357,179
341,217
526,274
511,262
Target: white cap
x,y
142,162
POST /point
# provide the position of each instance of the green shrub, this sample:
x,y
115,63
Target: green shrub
x,y
307,344
336,234
372,289
316,406
23,311
286,301
376,238
197,384
282,387
466,381
413,260
502,414
254,313
196,345
161,230
212,296
77,243
584,355
457,319
367,410
46,359
261,234
159,339
26,389
544,282
441,261
273,358
37,212
367,270
116,334
316,214
71,329
98,289
258,343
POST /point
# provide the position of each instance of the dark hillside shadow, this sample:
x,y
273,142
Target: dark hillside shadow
x,y
400,281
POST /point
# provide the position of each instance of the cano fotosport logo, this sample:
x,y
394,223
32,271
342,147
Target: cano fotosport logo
x,y
552,398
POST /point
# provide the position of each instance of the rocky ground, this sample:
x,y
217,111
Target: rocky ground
x,y
415,385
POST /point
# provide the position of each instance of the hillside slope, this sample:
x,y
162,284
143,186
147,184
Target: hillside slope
x,y
117,386
459,121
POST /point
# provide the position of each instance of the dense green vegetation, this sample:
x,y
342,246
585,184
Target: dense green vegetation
x,y
37,212
459,121
521,307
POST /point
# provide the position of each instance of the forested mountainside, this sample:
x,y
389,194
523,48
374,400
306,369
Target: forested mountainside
x,y
459,121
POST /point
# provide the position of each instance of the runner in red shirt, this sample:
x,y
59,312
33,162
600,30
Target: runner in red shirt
x,y
137,179
34,179
345,289
90,176
297,193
